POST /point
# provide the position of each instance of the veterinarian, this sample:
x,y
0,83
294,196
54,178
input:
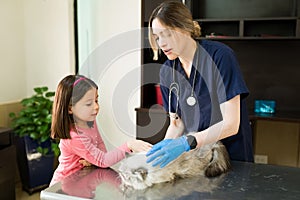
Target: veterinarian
x,y
202,88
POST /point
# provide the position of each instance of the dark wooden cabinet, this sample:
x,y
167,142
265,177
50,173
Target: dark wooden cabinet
x,y
7,164
151,124
151,119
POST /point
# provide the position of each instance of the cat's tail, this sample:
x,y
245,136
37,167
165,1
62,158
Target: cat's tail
x,y
220,162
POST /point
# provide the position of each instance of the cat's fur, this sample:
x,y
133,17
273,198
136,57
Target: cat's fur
x,y
209,160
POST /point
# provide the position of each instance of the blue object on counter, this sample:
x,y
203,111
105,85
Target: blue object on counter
x,y
265,106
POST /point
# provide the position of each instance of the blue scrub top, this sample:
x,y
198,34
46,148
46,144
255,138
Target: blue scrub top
x,y
217,80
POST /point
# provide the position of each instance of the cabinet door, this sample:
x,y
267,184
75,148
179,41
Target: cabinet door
x,y
7,172
151,125
277,140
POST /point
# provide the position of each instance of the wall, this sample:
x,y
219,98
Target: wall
x,y
36,48
12,60
109,53
49,41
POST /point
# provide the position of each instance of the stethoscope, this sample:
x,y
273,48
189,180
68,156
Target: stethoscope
x,y
174,87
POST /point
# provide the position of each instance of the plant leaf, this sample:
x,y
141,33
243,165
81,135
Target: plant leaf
x,y
34,119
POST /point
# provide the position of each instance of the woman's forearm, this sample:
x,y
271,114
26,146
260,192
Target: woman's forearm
x,y
227,127
175,128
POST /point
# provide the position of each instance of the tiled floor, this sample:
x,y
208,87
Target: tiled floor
x,y
22,195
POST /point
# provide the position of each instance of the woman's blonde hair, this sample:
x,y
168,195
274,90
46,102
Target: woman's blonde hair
x,y
172,14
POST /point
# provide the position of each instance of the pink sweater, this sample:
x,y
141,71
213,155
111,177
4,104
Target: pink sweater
x,y
86,144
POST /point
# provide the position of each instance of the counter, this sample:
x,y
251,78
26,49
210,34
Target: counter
x,y
243,181
287,116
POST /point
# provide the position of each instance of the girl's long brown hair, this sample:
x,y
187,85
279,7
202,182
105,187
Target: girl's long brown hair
x,y
69,91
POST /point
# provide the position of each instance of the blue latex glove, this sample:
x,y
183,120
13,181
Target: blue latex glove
x,y
158,146
165,154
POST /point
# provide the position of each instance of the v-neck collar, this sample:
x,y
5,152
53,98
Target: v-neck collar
x,y
180,69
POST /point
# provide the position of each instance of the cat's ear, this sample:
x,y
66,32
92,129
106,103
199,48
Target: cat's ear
x,y
141,173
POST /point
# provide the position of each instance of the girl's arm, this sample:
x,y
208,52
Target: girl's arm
x,y
83,147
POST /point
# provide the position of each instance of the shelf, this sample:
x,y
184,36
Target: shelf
x,y
275,27
228,28
243,8
287,116
251,28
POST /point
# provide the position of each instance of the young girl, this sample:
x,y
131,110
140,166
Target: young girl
x,y
73,122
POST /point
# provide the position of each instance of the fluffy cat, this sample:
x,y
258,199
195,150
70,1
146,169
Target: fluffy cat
x,y
209,160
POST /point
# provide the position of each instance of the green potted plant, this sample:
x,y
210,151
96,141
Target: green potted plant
x,y
36,151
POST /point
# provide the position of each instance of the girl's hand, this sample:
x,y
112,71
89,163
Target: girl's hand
x,y
138,145
85,163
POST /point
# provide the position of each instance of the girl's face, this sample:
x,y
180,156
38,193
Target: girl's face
x,y
171,41
86,109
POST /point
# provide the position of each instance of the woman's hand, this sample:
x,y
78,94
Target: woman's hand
x,y
85,163
138,145
171,150
158,146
